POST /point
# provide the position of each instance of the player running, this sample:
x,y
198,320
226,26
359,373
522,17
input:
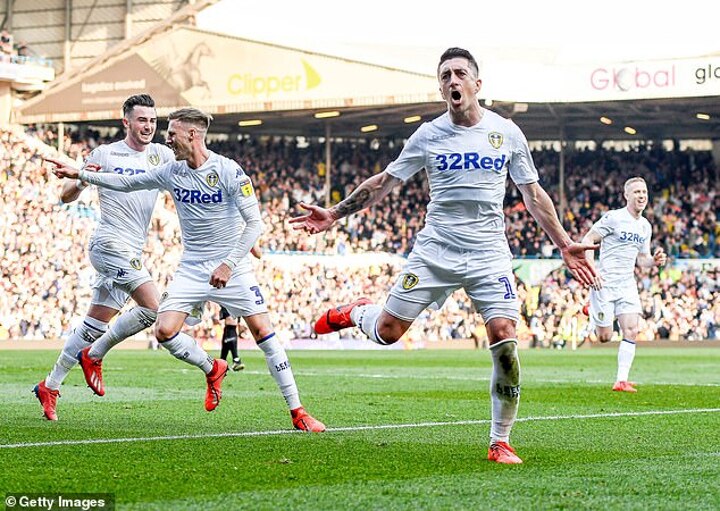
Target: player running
x,y
624,236
115,251
467,154
213,198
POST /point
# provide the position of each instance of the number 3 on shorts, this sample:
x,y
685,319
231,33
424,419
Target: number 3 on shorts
x,y
256,290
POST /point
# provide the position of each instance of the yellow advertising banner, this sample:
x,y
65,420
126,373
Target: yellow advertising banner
x,y
223,74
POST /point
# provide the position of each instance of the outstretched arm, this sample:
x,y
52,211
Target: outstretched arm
x,y
541,208
145,181
368,193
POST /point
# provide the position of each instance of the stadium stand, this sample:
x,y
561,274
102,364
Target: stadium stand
x,y
46,275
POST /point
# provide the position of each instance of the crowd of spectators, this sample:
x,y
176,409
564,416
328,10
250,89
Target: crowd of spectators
x,y
684,206
16,51
46,275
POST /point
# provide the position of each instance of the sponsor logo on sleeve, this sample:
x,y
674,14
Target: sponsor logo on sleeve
x,y
246,188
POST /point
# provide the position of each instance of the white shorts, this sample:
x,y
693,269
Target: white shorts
x,y
435,270
613,301
120,271
190,289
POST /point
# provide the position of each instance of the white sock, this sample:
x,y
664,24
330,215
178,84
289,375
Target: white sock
x,y
504,389
279,366
626,355
80,338
128,324
366,317
183,347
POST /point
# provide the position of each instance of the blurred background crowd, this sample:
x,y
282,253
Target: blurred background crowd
x,y
46,273
17,51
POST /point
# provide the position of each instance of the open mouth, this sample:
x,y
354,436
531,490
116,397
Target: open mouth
x,y
456,95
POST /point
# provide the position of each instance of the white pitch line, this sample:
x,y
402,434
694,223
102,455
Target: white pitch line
x,y
351,428
528,380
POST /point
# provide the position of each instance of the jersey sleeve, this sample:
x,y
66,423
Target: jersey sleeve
x,y
646,244
412,157
521,166
240,188
605,226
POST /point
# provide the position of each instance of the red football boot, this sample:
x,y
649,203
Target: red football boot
x,y
48,400
305,422
501,452
624,386
338,318
92,369
214,384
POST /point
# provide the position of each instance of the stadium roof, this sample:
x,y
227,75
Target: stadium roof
x,y
237,79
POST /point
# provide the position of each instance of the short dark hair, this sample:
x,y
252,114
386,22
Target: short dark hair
x,y
137,100
192,116
452,53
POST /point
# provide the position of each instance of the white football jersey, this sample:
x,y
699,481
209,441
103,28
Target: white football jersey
x,y
623,237
466,170
125,217
208,201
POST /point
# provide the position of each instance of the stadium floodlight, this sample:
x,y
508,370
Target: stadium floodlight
x,y
629,130
369,128
704,117
520,108
327,115
606,120
412,119
488,102
250,122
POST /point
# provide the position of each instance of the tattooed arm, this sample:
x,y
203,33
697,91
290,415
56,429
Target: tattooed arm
x,y
368,193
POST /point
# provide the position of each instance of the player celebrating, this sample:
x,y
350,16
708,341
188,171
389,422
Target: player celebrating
x,y
467,154
624,237
213,198
115,250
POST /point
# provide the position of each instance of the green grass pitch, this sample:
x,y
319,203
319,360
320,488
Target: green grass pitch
x,y
406,430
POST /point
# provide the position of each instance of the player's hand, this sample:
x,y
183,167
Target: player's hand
x,y
660,257
220,276
580,267
62,170
256,251
318,220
